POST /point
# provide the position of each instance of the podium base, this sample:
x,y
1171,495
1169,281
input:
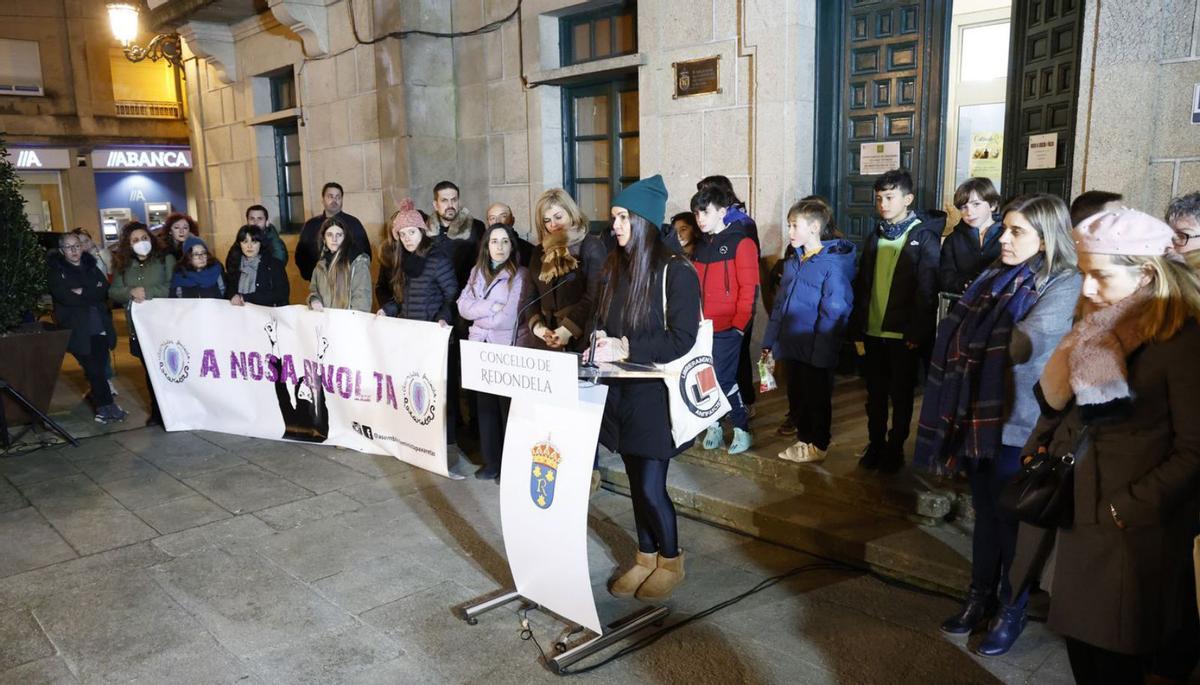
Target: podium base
x,y
614,632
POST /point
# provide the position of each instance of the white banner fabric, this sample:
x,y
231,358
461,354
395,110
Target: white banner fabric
x,y
337,377
545,483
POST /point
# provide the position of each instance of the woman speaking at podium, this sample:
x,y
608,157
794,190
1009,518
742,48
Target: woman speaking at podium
x,y
642,320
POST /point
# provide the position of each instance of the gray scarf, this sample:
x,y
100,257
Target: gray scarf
x,y
248,278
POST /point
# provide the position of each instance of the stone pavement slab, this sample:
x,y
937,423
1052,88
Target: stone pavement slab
x,y
296,513
175,515
22,639
245,488
302,467
29,542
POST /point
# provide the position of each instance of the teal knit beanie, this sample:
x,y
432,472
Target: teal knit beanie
x,y
647,198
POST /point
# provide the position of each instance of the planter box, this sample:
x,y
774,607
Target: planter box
x,y
30,360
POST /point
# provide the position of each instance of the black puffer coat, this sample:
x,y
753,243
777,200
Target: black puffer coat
x,y
430,288
271,288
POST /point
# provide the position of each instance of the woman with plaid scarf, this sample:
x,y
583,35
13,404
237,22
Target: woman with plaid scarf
x,y
979,407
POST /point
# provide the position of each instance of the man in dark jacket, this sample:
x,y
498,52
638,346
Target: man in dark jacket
x,y
308,248
975,241
80,292
895,301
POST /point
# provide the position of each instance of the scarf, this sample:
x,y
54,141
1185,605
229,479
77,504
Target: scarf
x,y
557,259
459,228
207,277
964,407
1089,363
893,231
412,264
248,274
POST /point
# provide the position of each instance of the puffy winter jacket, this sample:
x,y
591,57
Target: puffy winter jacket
x,y
428,296
727,264
477,303
813,305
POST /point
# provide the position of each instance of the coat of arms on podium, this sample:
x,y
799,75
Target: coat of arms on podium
x,y
543,473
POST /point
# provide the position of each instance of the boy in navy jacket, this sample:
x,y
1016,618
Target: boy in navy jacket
x,y
895,303
808,323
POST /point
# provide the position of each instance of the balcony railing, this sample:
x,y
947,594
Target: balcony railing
x,y
149,110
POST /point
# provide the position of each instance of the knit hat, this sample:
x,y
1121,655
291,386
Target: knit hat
x,y
647,198
1124,231
191,242
408,216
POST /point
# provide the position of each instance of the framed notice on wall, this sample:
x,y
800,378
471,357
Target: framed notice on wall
x,y
878,158
1043,151
697,77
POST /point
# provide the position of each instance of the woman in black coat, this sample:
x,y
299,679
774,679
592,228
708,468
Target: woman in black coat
x,y
416,280
80,292
640,327
257,277
565,268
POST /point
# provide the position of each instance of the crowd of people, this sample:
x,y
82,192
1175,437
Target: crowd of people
x,y
1036,324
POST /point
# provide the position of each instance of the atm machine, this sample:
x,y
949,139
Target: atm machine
x,y
112,220
156,214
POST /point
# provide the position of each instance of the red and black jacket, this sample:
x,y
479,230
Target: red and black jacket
x,y
727,264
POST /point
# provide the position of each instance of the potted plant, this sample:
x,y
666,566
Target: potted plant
x,y
31,353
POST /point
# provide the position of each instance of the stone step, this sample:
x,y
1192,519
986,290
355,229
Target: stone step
x,y
838,478
932,556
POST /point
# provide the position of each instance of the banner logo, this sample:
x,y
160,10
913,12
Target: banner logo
x,y
173,361
419,398
699,388
363,430
544,473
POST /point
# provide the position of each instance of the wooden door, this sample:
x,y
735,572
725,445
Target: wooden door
x,y
1043,88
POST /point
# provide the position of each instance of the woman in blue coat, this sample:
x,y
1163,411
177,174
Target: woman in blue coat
x,y
808,323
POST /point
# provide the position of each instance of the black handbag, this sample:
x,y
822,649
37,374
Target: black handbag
x,y
1042,493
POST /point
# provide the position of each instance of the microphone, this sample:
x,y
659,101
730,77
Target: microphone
x,y
521,312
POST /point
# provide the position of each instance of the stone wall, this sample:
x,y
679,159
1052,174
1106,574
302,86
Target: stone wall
x,y
1140,66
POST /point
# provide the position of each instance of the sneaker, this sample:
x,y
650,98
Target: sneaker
x,y
110,413
786,428
803,453
714,439
741,441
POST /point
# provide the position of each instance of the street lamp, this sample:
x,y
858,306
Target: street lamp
x,y
123,18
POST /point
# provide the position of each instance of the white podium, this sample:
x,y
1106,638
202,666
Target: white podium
x,y
545,485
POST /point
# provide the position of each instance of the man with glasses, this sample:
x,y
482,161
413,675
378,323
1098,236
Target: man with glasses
x,y
80,292
1183,215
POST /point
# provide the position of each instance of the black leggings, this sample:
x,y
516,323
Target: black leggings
x,y
653,512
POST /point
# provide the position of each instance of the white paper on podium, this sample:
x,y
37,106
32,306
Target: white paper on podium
x,y
543,509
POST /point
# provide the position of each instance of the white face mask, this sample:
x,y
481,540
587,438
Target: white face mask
x,y
143,248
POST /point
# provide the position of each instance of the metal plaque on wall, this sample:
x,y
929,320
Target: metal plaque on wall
x,y
697,77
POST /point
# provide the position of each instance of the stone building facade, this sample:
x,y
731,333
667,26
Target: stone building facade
x,y
91,99
388,117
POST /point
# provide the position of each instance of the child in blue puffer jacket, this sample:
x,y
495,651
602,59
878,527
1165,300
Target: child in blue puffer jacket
x,y
808,323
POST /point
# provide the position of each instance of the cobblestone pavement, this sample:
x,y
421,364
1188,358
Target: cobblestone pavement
x,y
146,556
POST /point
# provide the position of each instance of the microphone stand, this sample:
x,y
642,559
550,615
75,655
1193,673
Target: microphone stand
x,y
521,312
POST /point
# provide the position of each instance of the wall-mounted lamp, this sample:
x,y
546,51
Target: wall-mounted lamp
x,y
123,18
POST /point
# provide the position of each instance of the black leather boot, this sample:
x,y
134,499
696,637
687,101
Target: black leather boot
x,y
973,613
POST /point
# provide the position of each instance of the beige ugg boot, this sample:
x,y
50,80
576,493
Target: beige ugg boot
x,y
662,582
629,582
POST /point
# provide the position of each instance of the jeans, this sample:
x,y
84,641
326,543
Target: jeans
x,y
653,511
994,543
727,349
810,402
891,374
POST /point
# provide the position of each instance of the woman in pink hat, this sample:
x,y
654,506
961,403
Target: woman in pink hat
x,y
1127,371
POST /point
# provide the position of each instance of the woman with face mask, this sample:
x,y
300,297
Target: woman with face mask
x,y
142,269
1128,373
496,290
978,410
259,277
342,277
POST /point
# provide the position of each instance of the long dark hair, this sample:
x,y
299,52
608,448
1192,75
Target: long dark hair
x,y
484,262
339,264
391,257
642,257
124,255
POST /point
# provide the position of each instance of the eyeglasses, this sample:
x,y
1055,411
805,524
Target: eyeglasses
x,y
1181,239
72,247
